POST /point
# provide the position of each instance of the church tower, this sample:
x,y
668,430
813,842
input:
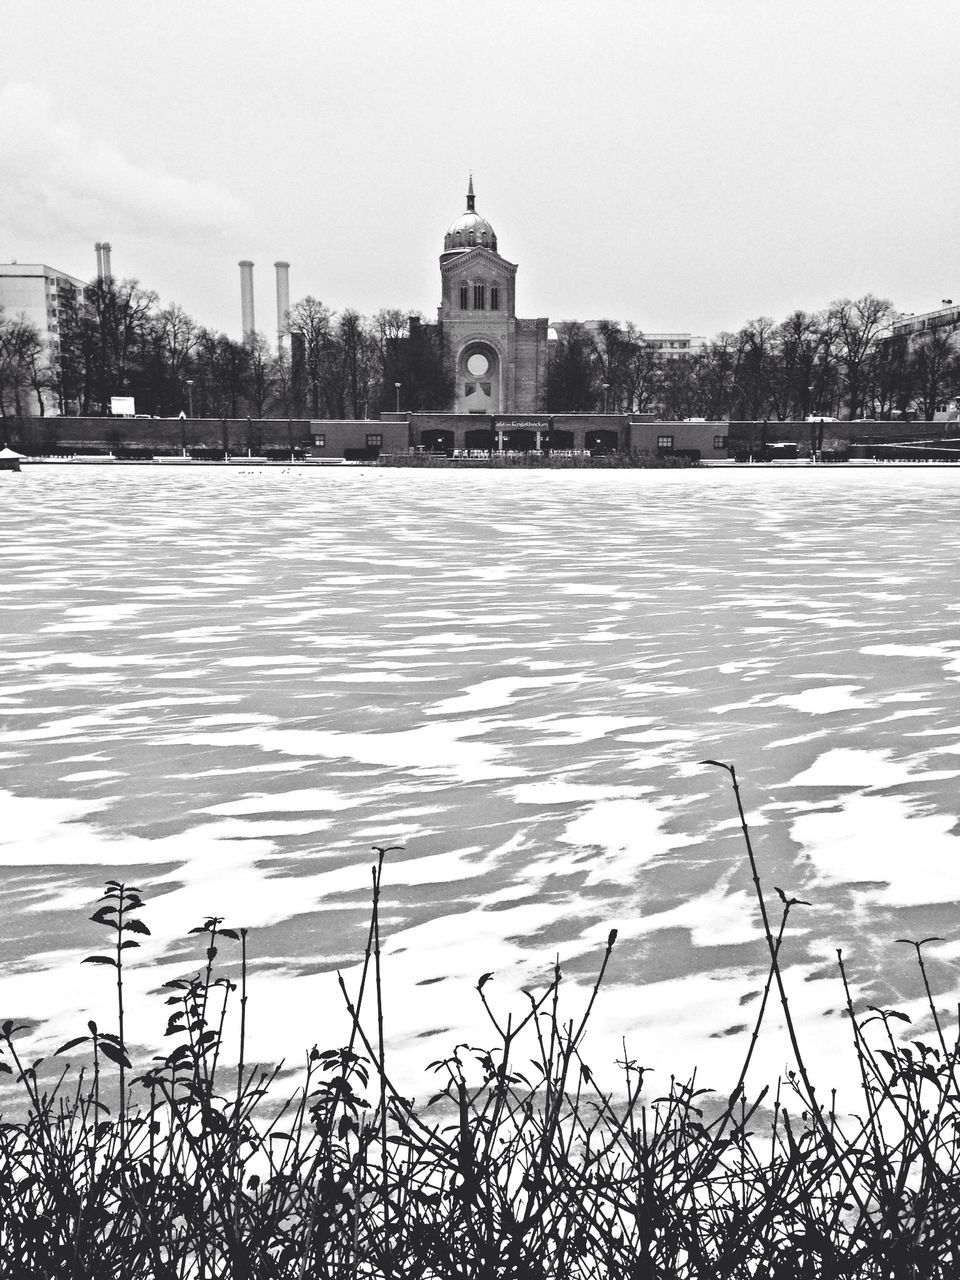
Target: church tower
x,y
499,362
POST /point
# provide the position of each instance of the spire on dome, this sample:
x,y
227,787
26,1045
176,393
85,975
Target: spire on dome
x,y
471,230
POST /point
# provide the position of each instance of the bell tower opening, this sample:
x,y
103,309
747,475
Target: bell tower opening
x,y
478,379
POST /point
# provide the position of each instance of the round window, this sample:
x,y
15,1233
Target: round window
x,y
478,364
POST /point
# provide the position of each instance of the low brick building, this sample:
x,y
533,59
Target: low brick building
x,y
358,439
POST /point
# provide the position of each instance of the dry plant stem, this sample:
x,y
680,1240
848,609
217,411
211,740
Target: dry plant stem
x,y
784,1002
237,1175
860,1049
377,871
709,1160
771,946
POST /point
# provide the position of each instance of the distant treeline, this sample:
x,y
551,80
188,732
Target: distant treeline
x,y
115,339
842,362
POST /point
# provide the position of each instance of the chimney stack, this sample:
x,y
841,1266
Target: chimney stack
x,y
283,300
105,250
99,248
246,297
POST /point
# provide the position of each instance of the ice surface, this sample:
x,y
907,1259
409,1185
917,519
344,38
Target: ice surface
x,y
226,685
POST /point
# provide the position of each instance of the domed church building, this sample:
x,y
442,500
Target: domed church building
x,y
499,361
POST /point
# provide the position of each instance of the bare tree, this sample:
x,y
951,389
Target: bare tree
x,y
23,363
358,351
177,336
117,317
893,376
612,356
935,366
860,324
311,321
642,372
571,377
756,348
261,370
714,373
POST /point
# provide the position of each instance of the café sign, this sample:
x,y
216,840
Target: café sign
x,y
514,423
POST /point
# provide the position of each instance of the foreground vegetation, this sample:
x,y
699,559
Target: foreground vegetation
x,y
520,1166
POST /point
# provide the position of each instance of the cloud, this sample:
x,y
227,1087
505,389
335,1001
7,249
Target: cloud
x,y
59,177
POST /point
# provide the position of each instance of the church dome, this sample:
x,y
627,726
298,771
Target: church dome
x,y
470,230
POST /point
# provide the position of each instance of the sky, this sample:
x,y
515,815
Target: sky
x,y
686,165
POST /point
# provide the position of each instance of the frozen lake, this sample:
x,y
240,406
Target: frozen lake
x,y
225,685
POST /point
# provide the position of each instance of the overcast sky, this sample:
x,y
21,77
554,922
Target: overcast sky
x,y
685,164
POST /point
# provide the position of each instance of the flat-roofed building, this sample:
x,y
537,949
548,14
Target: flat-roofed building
x,y
939,328
38,292
946,316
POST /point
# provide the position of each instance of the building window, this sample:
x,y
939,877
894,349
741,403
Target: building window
x,y
484,239
319,442
374,441
464,297
719,442
469,388
494,297
665,442
458,238
479,297
471,238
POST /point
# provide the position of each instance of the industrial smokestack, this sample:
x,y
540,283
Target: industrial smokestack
x,y
246,297
105,250
99,248
283,300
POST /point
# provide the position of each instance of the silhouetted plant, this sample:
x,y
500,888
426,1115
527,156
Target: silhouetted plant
x,y
521,1165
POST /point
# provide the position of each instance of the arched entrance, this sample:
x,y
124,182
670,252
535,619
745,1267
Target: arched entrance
x,y
437,441
520,440
480,440
478,378
601,442
557,439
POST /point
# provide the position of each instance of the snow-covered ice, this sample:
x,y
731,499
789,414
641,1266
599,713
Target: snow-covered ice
x,y
226,685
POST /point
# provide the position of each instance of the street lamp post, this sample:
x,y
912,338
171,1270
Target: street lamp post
x,y
190,395
397,386
606,388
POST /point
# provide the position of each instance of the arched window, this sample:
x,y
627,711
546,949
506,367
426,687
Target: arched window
x,y
471,237
494,297
479,298
484,239
458,238
464,297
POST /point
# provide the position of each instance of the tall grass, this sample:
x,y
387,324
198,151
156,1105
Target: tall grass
x,y
519,1165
